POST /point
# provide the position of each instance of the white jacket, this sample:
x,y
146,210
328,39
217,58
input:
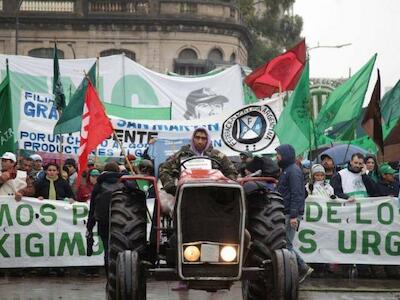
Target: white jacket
x,y
10,187
321,188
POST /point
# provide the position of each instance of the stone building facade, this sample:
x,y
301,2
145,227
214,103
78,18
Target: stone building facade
x,y
183,36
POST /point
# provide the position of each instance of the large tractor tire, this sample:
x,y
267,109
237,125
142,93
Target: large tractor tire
x,y
131,282
127,232
266,225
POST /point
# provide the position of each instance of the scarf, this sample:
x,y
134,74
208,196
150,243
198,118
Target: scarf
x,y
52,187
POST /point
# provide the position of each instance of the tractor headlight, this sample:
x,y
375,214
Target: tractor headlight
x,y
228,253
191,253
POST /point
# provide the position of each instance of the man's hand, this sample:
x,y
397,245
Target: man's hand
x,y
18,196
5,176
294,223
351,199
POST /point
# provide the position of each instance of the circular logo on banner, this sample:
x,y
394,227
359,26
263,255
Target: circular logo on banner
x,y
250,129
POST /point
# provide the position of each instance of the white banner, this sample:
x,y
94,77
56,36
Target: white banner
x,y
52,233
366,231
247,129
45,234
126,83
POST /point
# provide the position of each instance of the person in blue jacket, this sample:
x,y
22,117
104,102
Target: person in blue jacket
x,y
291,187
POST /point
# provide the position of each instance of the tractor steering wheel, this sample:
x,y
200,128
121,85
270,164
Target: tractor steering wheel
x,y
182,164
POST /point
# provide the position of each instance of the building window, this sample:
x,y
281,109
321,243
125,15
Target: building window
x,y
232,59
45,53
188,63
232,13
188,8
187,54
216,56
128,53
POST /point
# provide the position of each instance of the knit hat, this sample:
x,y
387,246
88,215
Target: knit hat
x,y
317,168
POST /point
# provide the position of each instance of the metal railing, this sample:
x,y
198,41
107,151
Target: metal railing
x,y
48,6
127,6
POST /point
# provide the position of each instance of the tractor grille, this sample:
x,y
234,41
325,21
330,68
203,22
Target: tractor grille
x,y
211,214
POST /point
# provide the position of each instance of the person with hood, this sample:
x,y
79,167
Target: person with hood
x,y
291,187
106,183
371,165
351,183
318,185
329,165
200,146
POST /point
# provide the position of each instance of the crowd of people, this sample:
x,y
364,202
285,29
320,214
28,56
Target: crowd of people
x,y
30,177
295,180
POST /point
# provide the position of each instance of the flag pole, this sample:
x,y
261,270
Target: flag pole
x,y
97,88
123,151
59,110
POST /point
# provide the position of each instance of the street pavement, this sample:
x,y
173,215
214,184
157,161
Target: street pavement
x,y
76,287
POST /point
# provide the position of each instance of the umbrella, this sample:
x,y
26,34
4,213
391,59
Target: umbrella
x,y
341,154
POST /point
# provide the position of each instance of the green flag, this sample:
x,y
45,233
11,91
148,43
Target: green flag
x,y
344,104
294,126
71,118
390,105
58,91
6,120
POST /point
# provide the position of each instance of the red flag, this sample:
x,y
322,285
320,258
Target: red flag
x,y
372,122
96,127
279,74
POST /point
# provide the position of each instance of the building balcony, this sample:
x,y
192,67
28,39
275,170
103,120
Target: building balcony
x,y
215,10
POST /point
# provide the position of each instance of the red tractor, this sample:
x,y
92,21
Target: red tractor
x,y
219,233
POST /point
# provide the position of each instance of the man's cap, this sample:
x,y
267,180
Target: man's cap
x,y
36,157
386,169
70,162
246,153
205,95
10,156
94,172
317,168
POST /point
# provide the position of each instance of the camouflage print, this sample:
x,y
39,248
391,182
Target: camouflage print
x,y
170,170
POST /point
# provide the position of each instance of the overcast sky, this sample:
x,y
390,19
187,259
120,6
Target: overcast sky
x,y
372,26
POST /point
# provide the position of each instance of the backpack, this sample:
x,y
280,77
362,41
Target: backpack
x,y
103,200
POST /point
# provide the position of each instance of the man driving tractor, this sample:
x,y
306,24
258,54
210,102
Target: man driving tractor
x,y
200,146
